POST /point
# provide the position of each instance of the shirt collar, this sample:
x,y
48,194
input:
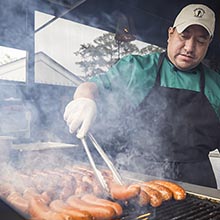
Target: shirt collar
x,y
192,71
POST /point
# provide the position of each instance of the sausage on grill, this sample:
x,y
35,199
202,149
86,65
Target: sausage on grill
x,y
143,198
97,211
38,209
123,192
165,192
6,189
31,192
155,196
178,192
76,214
90,198
18,202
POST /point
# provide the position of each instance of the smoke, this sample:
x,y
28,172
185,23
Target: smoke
x,y
32,115
39,112
134,136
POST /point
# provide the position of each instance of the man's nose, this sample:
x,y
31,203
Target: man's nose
x,y
189,45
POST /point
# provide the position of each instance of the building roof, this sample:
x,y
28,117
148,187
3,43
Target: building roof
x,y
47,71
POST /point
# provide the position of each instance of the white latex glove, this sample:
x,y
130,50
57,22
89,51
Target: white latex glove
x,y
80,112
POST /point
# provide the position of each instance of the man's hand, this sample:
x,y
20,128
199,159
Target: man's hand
x,y
80,112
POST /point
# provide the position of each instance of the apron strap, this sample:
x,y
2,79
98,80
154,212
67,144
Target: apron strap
x,y
202,79
159,65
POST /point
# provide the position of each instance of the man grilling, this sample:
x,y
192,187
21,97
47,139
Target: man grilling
x,y
163,109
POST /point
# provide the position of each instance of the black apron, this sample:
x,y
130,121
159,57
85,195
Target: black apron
x,y
172,134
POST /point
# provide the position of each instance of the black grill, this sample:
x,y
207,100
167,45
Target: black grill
x,y
192,208
7,213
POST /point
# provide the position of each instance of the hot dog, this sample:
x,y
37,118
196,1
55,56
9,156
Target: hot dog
x,y
178,192
39,181
90,198
83,188
18,202
155,196
31,192
66,183
97,211
123,192
143,198
6,189
64,193
165,192
89,179
38,209
46,197
76,214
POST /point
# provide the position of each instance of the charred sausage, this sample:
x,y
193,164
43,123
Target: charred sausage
x,y
18,202
143,198
6,189
83,188
178,192
38,209
165,192
123,192
30,193
89,179
66,182
90,198
97,211
155,196
76,214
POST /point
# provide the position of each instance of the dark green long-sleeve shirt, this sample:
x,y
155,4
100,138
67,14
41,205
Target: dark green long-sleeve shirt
x,y
132,77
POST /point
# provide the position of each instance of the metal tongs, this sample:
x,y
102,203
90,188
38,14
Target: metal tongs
x,y
106,159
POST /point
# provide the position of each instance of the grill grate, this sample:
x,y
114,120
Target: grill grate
x,y
192,208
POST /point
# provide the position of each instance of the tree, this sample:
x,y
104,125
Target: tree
x,y
98,56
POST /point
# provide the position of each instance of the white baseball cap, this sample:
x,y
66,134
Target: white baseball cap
x,y
195,14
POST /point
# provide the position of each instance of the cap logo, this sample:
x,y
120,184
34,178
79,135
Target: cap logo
x,y
199,12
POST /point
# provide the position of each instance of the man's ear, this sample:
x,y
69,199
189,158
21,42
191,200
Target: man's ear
x,y
170,32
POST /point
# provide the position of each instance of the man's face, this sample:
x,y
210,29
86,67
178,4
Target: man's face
x,y
187,49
